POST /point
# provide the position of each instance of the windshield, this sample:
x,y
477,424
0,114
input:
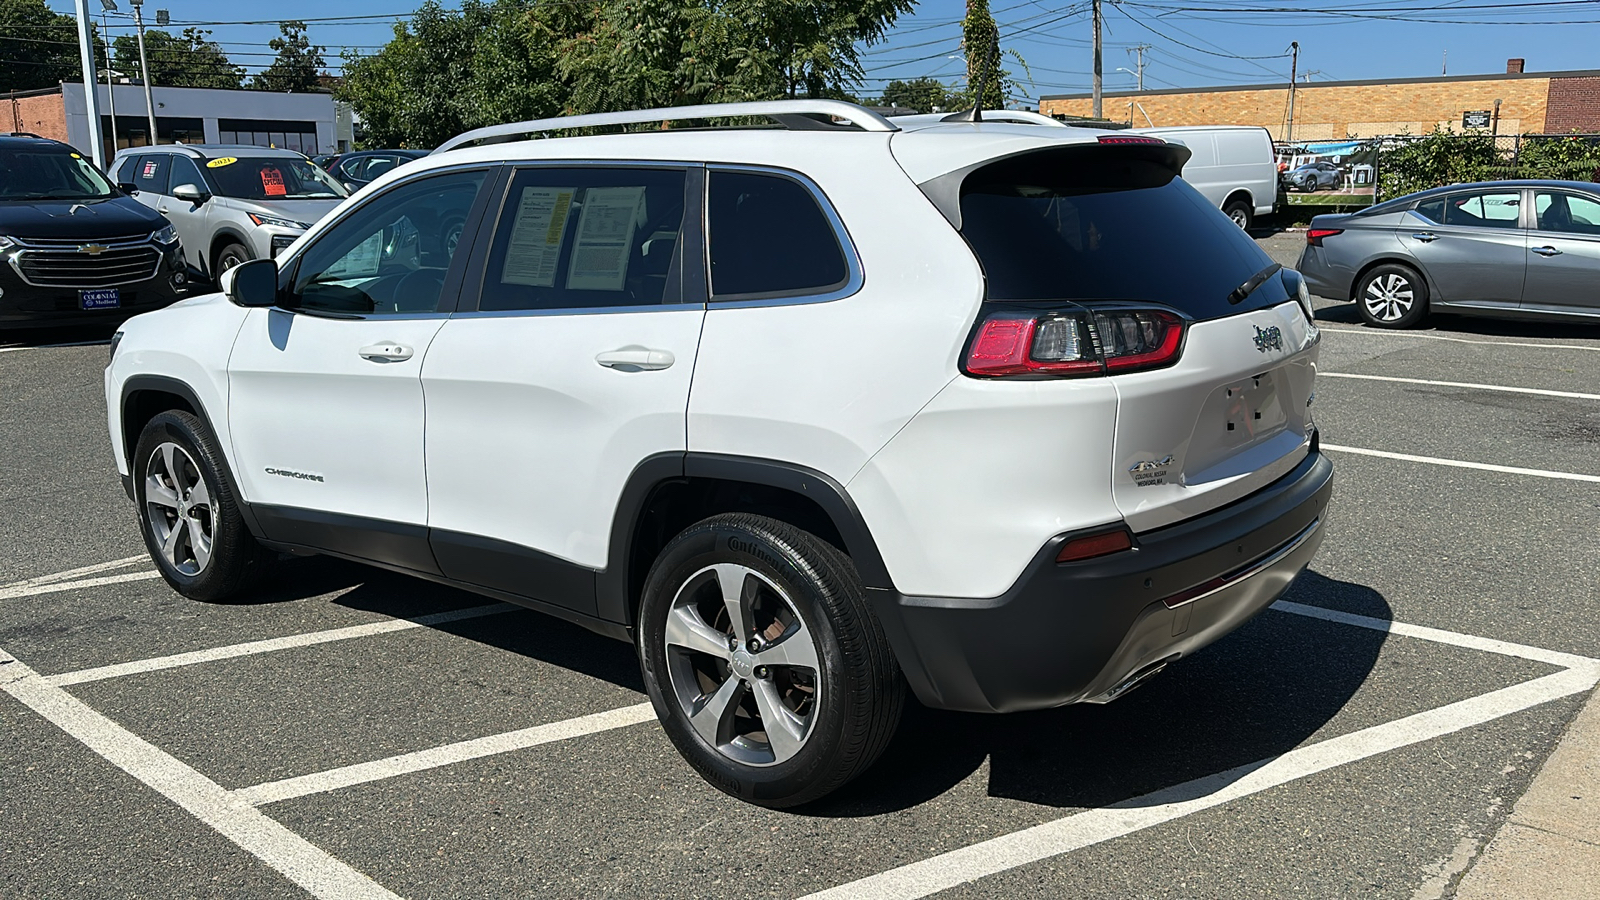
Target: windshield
x,y
50,174
1107,226
272,178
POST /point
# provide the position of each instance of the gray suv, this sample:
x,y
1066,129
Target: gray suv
x,y
229,204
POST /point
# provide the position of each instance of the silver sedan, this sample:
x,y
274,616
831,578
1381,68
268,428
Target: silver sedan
x,y
1520,249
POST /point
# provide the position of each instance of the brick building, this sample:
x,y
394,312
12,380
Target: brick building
x,y
1529,103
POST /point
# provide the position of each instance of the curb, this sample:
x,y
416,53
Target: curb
x,y
1549,847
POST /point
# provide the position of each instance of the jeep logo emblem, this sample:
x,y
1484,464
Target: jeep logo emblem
x,y
1268,338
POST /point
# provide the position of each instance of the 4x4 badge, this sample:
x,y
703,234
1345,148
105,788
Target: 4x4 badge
x,y
1268,338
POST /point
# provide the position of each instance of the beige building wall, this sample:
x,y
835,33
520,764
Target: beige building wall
x,y
1333,112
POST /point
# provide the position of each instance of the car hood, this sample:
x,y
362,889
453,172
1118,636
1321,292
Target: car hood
x,y
114,217
307,211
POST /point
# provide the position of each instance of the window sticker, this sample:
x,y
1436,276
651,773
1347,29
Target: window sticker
x,y
361,262
536,236
605,238
272,182
221,161
149,169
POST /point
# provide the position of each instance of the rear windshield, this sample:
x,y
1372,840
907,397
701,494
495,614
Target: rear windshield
x,y
1101,223
272,178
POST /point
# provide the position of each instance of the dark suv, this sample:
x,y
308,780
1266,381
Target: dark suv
x,y
75,248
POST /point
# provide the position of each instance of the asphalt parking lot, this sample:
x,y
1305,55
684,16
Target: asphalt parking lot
x,y
358,734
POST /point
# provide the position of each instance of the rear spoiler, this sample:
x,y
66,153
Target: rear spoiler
x,y
945,190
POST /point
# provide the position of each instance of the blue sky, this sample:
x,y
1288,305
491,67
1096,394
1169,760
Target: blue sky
x,y
1192,42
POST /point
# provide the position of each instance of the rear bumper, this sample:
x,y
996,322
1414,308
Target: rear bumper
x,y
1072,633
1321,279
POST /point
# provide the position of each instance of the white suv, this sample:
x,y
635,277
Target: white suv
x,y
1008,415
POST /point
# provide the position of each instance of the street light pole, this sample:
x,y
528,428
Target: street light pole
x,y
1294,67
144,66
91,86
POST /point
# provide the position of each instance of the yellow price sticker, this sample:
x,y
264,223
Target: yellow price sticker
x,y
221,161
74,156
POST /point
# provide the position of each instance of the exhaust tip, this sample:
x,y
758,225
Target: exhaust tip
x,y
1140,676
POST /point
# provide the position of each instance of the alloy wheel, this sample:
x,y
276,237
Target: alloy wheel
x,y
1388,297
179,509
744,668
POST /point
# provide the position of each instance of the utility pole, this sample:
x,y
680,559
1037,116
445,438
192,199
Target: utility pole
x,y
144,66
111,83
1294,69
1097,23
1444,67
1140,49
91,87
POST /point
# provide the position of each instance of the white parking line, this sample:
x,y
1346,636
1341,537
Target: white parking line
x,y
1095,826
1371,332
58,586
1463,384
290,854
75,573
100,673
1463,464
361,773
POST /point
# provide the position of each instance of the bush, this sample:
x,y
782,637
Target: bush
x,y
1440,158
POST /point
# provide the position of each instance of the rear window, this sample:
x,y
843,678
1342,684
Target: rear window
x,y
1092,223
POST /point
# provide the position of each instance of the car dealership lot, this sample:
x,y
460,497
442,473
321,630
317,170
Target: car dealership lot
x,y
356,732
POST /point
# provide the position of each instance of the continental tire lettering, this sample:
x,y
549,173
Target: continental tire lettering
x,y
303,476
755,550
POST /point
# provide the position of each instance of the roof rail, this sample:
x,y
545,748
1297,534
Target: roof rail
x,y
26,134
795,115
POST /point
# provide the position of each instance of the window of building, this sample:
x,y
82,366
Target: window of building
x,y
769,238
586,237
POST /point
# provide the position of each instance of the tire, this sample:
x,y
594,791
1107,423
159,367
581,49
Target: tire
x,y
1392,296
825,662
188,512
230,256
1241,212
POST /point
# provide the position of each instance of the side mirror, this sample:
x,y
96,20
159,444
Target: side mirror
x,y
251,284
127,187
190,193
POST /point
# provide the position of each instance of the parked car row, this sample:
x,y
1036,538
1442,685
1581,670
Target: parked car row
x,y
80,247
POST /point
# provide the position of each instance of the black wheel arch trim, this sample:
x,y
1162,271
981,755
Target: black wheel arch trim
x,y
166,384
614,600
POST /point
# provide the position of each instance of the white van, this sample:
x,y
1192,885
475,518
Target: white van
x,y
1234,166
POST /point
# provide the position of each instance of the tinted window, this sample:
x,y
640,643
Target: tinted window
x,y
1484,210
1567,213
49,172
184,171
390,255
272,178
1432,210
769,238
150,173
586,237
1093,225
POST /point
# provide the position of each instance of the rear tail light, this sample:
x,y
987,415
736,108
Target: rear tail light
x,y
1093,545
1075,343
1314,236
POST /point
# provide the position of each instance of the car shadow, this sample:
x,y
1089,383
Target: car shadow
x,y
1267,688
1476,326
1262,691
99,333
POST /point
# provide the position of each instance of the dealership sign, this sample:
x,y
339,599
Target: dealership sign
x,y
1476,118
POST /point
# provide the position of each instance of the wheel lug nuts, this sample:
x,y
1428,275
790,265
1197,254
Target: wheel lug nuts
x,y
754,645
761,672
733,643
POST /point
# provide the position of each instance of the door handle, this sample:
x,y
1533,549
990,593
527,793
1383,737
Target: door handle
x,y
386,353
1427,237
1546,251
161,209
636,359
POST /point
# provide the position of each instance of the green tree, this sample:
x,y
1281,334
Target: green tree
x,y
505,60
39,47
923,95
299,65
188,60
980,37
